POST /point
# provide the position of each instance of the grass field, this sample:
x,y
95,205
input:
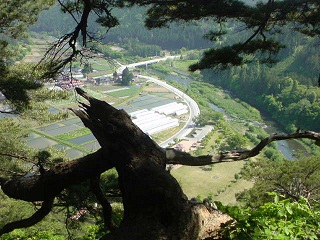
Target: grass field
x,y
233,107
103,65
205,180
184,64
164,135
236,108
130,91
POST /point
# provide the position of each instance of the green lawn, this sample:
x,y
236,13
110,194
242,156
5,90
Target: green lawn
x,y
103,65
164,135
228,195
204,180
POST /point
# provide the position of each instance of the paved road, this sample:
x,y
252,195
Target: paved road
x,y
194,110
193,107
133,65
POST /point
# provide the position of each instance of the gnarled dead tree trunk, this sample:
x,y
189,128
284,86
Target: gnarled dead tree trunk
x,y
154,205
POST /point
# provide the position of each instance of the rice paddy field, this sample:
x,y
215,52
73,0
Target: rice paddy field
x,y
71,136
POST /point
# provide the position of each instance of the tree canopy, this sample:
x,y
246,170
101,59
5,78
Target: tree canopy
x,y
16,16
261,21
127,77
17,79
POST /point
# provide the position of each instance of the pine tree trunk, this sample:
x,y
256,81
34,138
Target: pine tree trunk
x,y
155,207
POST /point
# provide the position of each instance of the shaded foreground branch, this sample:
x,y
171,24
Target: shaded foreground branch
x,y
155,206
49,184
28,222
106,206
177,157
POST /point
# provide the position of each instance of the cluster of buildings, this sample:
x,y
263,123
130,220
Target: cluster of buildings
x,y
171,108
68,80
65,82
156,119
76,78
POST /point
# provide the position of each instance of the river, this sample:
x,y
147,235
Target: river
x,y
287,147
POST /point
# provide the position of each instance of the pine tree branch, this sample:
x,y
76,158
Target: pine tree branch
x,y
106,206
28,222
23,158
60,176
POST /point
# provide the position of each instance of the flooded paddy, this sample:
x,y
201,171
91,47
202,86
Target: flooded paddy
x,y
92,146
150,101
62,129
83,139
61,147
41,143
72,121
32,135
50,127
74,153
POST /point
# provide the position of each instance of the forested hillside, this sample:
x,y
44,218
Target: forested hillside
x,y
288,91
131,28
